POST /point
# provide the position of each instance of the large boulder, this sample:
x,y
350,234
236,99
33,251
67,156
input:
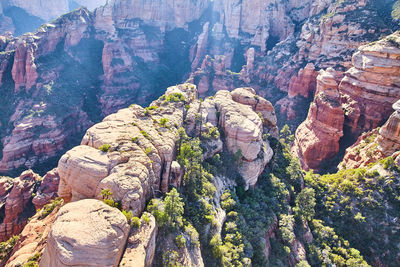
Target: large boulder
x,y
86,233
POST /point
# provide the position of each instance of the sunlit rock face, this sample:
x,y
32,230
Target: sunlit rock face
x,y
372,85
84,66
20,17
72,240
317,138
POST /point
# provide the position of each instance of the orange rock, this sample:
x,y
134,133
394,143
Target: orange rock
x,y
18,206
317,138
304,83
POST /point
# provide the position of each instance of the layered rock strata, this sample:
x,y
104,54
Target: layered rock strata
x,y
372,85
16,203
317,139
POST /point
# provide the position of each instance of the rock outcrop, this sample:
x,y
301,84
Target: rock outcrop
x,y
141,245
137,155
317,139
372,85
37,12
244,117
376,144
18,203
389,134
47,190
86,231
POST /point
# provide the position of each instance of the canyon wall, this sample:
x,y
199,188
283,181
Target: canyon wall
x,y
364,99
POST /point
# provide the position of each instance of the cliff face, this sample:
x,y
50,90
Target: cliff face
x,y
372,85
24,16
317,139
375,145
364,99
83,66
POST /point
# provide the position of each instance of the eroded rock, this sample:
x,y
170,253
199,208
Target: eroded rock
x,y
86,231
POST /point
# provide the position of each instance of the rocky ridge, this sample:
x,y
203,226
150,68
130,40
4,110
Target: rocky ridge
x,y
131,153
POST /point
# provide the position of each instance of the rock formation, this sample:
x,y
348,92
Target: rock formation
x,y
47,190
374,145
37,12
132,154
277,51
372,85
317,139
243,134
140,153
141,245
366,94
18,207
389,134
86,231
244,117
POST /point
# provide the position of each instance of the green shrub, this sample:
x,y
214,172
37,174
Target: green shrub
x,y
106,193
128,215
145,218
33,261
175,97
135,140
152,108
180,241
170,259
48,208
163,122
7,246
136,222
286,224
388,163
145,134
105,148
148,151
216,246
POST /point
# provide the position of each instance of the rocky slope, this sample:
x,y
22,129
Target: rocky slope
x,y
375,145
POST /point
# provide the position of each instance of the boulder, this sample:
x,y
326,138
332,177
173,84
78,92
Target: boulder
x,y
86,232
